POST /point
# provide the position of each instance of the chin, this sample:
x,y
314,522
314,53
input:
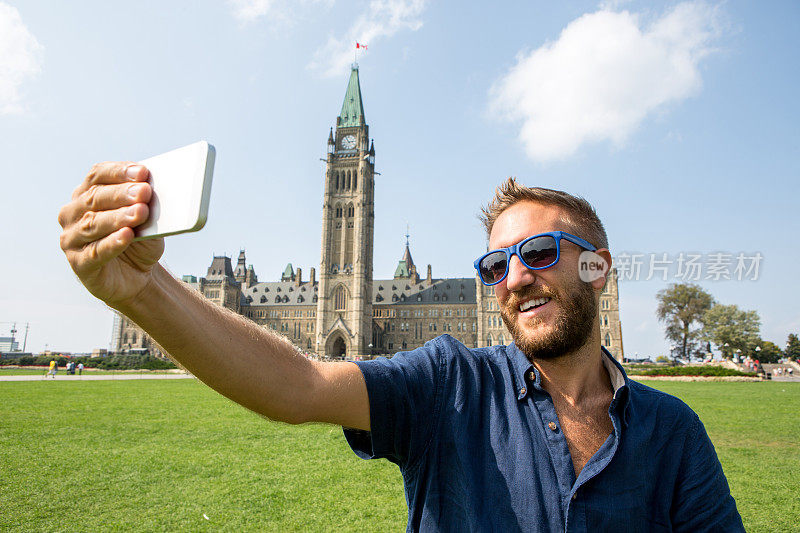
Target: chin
x,y
563,334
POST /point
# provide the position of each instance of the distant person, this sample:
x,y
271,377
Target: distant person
x,y
53,369
80,368
546,434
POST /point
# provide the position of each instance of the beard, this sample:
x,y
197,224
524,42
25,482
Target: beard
x,y
571,330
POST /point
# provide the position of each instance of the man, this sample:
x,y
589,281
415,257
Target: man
x,y
546,434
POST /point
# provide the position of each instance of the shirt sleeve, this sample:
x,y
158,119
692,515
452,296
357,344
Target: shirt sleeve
x,y
404,397
703,500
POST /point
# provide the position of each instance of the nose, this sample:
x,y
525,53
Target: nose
x,y
519,275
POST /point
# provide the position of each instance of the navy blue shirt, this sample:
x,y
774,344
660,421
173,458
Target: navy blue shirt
x,y
480,448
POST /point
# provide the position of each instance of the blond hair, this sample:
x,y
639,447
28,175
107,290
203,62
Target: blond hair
x,y
579,214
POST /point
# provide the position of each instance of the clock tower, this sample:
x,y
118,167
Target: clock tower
x,y
344,305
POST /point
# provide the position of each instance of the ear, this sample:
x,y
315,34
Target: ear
x,y
600,282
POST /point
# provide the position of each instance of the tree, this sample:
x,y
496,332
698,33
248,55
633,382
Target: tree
x,y
769,352
681,307
793,347
732,329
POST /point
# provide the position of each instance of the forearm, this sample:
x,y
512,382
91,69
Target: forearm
x,y
249,364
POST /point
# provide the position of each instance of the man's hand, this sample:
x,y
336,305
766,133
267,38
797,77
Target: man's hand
x,y
98,232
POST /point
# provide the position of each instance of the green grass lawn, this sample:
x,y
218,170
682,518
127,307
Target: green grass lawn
x,y
63,372
157,455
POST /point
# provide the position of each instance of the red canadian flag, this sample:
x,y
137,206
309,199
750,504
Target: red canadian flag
x,y
360,45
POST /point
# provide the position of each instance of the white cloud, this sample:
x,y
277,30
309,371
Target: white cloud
x,y
383,18
249,10
20,59
603,76
279,11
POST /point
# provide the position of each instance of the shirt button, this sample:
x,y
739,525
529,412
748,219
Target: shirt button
x,y
552,425
522,391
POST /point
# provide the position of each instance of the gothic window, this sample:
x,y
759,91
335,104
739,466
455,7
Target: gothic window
x,y
489,340
133,337
124,338
605,320
340,298
337,181
501,340
355,181
607,340
350,211
347,186
338,211
263,299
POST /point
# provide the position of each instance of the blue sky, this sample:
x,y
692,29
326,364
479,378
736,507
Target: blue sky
x,y
677,120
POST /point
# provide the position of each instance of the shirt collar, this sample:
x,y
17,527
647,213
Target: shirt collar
x,y
527,376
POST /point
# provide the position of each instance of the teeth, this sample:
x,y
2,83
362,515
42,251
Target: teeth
x,y
533,303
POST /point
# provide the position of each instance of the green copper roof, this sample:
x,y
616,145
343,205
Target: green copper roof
x,y
288,273
402,270
352,109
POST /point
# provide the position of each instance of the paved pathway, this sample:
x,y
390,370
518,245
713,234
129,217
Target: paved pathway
x,y
95,377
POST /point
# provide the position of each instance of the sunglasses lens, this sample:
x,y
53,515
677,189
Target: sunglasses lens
x,y
540,252
493,267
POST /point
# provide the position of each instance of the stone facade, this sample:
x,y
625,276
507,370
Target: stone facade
x,y
347,314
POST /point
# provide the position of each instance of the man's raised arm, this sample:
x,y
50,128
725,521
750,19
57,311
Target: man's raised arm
x,y
259,369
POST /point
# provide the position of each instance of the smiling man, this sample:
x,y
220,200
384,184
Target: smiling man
x,y
547,434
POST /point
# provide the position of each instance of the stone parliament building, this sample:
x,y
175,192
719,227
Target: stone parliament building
x,y
346,314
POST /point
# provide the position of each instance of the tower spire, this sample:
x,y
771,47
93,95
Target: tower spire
x,y
352,113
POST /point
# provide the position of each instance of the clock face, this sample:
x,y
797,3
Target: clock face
x,y
349,142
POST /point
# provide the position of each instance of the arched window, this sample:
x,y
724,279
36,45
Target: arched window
x,y
338,211
355,181
337,181
133,337
347,185
350,210
489,340
607,340
501,340
340,298
605,320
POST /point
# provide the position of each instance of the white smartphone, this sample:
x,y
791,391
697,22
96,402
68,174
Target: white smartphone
x,y
181,182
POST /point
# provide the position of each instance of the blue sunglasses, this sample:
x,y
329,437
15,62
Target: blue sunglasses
x,y
537,253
